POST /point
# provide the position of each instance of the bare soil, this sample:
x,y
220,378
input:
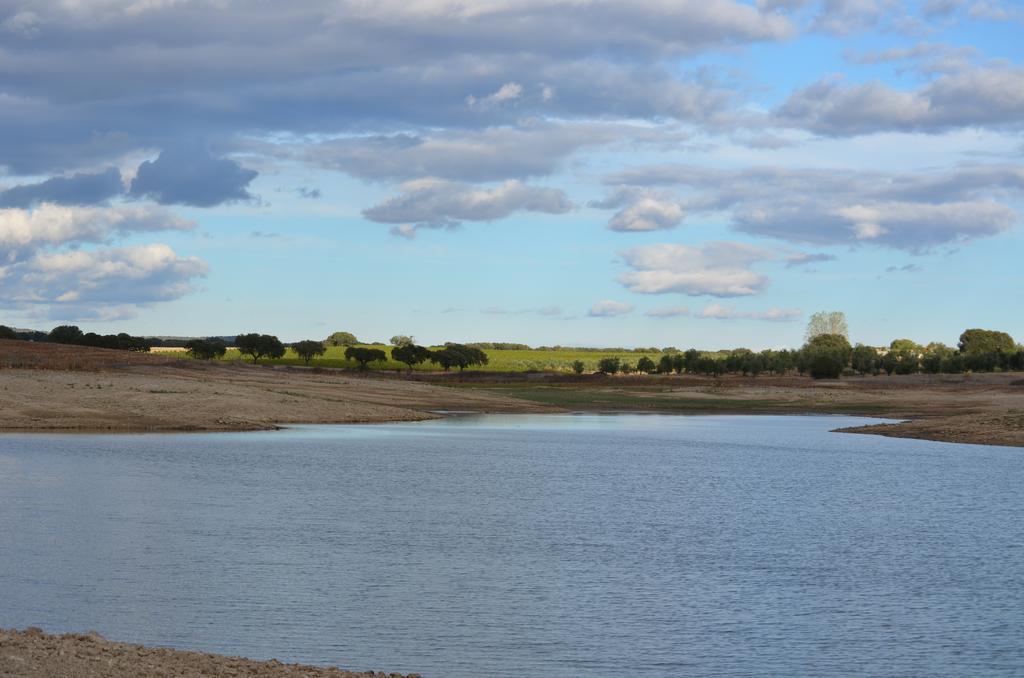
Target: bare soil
x,y
34,654
82,389
47,387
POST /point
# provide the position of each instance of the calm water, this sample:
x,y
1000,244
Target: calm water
x,y
512,546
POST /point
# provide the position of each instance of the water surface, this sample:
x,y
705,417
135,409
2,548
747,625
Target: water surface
x,y
508,546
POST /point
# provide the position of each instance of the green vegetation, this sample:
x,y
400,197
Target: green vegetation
x,y
826,355
341,339
206,349
459,355
365,356
258,346
410,354
308,349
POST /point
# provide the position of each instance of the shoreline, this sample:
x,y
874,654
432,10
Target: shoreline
x,y
57,390
32,653
932,430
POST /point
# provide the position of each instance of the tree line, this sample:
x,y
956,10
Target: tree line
x,y
827,352
72,334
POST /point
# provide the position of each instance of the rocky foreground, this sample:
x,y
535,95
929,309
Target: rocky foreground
x,y
34,654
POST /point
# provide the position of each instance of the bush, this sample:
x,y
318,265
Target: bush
x,y
826,356
826,365
206,349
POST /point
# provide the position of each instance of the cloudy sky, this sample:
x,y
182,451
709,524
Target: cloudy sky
x,y
595,172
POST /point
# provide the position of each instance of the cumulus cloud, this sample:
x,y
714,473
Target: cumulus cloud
x,y
647,213
719,312
609,309
436,203
842,17
190,175
940,8
25,232
89,284
720,269
313,68
529,149
910,211
46,265
983,96
78,189
510,91
668,312
796,259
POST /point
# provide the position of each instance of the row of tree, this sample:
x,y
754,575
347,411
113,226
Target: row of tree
x,y
71,334
826,354
829,355
404,350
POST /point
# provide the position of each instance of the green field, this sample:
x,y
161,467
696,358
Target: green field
x,y
554,360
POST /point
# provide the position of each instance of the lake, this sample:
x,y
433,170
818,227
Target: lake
x,y
576,545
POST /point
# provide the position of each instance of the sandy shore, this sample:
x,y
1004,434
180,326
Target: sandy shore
x,y
34,654
68,388
120,393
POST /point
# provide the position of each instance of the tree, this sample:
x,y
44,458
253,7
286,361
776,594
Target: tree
x,y
7,333
402,340
308,349
65,334
900,361
827,322
459,355
365,356
259,346
410,354
934,356
906,345
864,359
678,363
986,341
608,365
645,365
578,366
752,364
206,349
691,361
825,356
665,364
341,339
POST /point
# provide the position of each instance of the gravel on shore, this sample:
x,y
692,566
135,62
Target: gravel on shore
x,y
34,654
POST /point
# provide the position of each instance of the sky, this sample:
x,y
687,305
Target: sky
x,y
682,173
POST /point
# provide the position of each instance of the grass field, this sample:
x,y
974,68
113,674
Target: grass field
x,y
560,360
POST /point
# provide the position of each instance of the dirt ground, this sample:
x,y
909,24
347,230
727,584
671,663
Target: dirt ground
x,y
45,387
98,390
34,654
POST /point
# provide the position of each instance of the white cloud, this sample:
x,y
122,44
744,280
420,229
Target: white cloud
x,y
23,232
909,211
982,96
720,269
647,214
668,312
609,309
99,284
435,203
719,312
510,91
528,149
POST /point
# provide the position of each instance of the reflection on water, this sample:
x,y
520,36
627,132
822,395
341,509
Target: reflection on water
x,y
510,546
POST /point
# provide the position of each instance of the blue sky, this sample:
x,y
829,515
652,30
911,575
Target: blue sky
x,y
695,173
